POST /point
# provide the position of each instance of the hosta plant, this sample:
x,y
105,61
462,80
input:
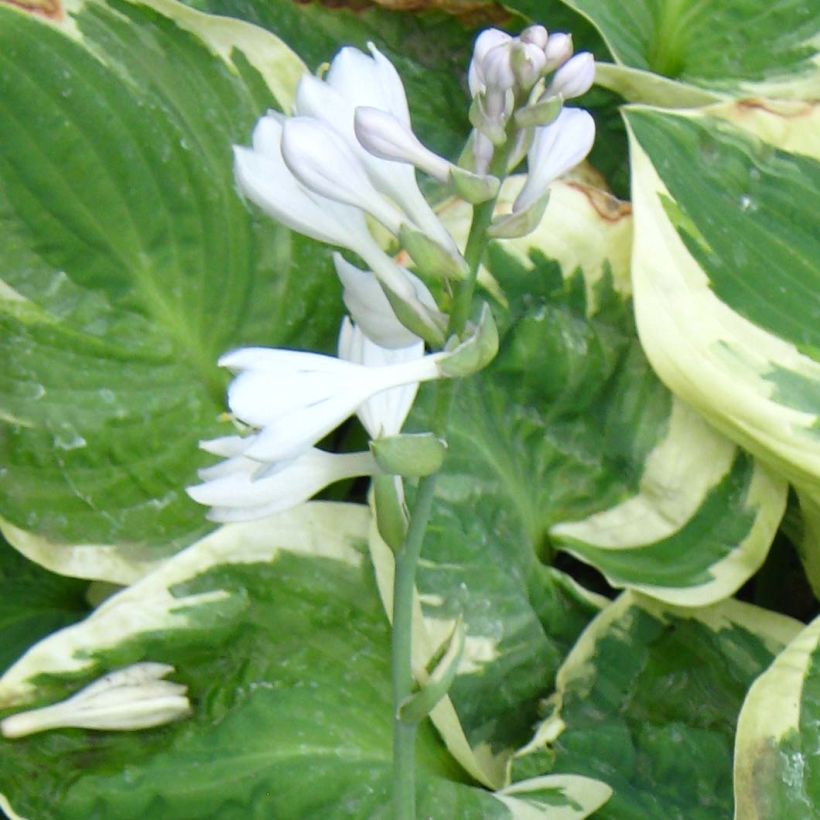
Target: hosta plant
x,y
409,413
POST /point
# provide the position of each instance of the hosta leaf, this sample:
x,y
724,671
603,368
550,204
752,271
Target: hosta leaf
x,y
778,735
33,603
648,699
433,77
277,630
745,48
727,289
569,441
130,263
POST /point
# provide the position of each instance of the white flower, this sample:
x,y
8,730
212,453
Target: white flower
x,y
370,309
485,42
556,148
296,398
384,413
263,176
241,489
575,77
130,698
357,80
324,162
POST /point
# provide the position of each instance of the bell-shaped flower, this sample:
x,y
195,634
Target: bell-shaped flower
x,y
324,162
556,148
384,413
135,697
296,398
242,489
357,80
371,310
575,77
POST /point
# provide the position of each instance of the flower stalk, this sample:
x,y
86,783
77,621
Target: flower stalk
x,y
349,152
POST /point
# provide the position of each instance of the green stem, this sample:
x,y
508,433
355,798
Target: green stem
x,y
404,581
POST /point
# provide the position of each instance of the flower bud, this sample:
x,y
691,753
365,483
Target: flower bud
x,y
528,63
558,50
385,136
486,41
574,78
536,35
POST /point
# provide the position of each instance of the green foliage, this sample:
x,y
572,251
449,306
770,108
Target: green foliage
x,y
129,264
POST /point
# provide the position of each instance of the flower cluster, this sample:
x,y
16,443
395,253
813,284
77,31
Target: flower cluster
x,y
345,160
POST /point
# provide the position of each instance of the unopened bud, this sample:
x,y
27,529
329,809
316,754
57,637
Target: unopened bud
x,y
536,35
385,136
528,63
558,50
574,78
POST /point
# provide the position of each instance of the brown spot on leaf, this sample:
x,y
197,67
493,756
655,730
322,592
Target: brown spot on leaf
x,y
607,206
52,9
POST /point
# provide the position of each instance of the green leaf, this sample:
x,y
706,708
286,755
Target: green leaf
x,y
130,264
578,442
568,441
778,733
277,631
743,48
434,77
33,603
727,289
647,702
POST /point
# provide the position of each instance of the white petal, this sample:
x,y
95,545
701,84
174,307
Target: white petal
x,y
384,413
364,80
268,183
296,482
324,162
370,309
574,78
556,149
297,398
226,446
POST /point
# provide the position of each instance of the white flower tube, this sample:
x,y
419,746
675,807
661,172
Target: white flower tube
x,y
296,398
236,491
556,148
385,413
128,699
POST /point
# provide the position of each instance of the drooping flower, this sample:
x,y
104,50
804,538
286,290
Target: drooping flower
x,y
135,697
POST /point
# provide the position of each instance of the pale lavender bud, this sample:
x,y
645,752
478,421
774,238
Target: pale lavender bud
x,y
528,63
536,35
574,78
558,50
497,68
485,42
